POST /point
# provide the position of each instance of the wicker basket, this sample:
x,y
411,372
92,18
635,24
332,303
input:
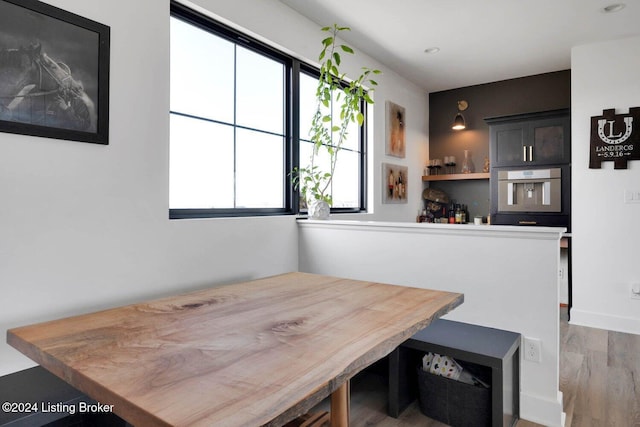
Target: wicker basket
x,y
453,402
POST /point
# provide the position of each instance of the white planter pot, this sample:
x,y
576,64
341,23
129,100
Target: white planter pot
x,y
318,209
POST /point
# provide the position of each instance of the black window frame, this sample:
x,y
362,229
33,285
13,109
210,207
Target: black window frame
x,y
293,68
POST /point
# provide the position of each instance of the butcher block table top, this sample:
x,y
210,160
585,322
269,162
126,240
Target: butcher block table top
x,y
255,353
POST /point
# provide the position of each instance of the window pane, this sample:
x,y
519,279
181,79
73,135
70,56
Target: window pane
x,y
201,164
260,170
308,86
345,188
202,67
260,92
352,141
322,159
346,183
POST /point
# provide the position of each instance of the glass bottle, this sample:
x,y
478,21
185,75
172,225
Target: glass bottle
x,y
466,163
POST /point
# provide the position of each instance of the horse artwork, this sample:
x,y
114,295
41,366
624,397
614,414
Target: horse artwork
x,y
39,90
53,73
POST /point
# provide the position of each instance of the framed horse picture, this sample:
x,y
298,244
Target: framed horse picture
x,y
54,73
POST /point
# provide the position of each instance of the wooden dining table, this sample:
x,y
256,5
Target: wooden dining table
x,y
255,353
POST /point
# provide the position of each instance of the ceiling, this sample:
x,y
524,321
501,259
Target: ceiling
x,y
480,41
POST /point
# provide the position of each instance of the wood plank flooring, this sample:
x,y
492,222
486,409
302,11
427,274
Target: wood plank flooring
x,y
599,378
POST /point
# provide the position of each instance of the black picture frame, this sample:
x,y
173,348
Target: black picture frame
x,y
54,73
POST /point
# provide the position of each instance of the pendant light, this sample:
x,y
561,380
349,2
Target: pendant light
x,y
458,121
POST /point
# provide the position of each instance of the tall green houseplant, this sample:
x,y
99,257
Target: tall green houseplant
x,y
313,181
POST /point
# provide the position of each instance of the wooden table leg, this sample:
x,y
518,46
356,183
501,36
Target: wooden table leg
x,y
340,402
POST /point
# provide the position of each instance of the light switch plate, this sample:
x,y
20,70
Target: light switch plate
x,y
632,196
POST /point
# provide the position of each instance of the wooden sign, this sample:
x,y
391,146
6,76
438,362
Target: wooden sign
x,y
615,137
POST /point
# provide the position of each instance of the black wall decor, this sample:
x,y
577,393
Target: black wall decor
x,y
54,73
615,137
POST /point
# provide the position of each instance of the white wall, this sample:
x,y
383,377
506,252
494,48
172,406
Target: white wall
x,y
605,231
86,226
508,274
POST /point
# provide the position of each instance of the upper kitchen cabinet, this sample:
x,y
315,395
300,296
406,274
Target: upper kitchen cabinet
x,y
533,139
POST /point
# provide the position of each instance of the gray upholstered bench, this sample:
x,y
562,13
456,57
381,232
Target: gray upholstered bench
x,y
487,347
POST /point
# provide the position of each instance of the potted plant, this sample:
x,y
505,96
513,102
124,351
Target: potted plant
x,y
313,181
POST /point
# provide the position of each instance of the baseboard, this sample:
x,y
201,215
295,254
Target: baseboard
x,y
542,411
605,321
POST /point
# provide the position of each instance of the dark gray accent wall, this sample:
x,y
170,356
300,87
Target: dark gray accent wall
x,y
542,92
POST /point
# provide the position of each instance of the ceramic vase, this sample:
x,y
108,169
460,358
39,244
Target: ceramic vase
x,y
318,209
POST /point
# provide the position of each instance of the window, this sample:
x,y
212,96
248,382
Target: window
x,y
235,135
346,183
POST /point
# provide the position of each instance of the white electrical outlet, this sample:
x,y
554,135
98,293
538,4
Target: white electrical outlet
x,y
635,290
532,349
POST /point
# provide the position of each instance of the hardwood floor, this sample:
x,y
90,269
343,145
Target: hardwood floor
x,y
599,378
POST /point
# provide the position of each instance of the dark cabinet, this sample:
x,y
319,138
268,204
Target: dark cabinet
x,y
531,139
531,169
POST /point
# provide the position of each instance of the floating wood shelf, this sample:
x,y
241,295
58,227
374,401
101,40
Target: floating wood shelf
x,y
456,177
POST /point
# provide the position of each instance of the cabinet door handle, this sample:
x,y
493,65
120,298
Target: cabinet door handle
x,y
524,153
531,153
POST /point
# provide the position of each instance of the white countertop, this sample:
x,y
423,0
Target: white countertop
x,y
521,231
